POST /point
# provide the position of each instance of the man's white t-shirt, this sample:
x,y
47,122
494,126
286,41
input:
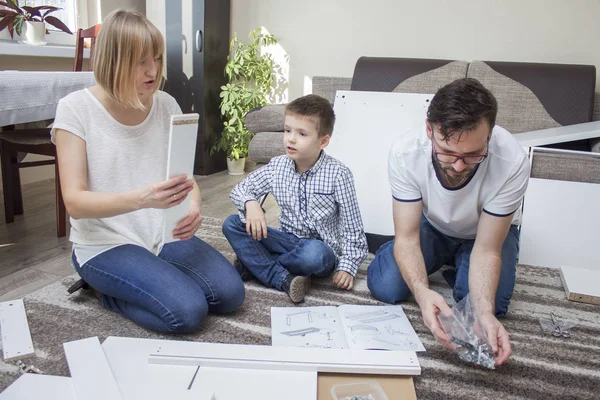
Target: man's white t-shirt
x,y
119,158
497,186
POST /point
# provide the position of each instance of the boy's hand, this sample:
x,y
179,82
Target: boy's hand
x,y
256,224
343,280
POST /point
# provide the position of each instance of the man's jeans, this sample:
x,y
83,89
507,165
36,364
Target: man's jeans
x,y
273,258
386,283
171,292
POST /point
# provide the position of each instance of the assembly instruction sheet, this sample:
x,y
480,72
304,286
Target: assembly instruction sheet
x,y
344,327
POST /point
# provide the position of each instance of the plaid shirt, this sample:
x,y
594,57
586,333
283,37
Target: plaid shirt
x,y
318,204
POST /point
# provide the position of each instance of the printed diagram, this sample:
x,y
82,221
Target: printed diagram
x,y
310,328
379,328
345,326
288,317
365,330
372,316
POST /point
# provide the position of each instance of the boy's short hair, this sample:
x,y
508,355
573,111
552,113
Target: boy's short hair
x,y
125,38
315,107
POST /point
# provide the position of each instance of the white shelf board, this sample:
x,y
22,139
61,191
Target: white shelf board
x,y
14,48
16,338
286,358
561,134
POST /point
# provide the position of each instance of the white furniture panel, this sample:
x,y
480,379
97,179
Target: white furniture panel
x,y
560,224
367,124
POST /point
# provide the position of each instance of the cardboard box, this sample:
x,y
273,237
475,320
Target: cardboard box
x,y
394,386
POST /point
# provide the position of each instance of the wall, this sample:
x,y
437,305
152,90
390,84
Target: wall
x,y
325,38
107,6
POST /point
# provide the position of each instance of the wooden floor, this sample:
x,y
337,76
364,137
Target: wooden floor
x,y
31,256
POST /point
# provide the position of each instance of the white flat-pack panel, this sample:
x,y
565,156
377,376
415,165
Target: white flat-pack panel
x,y
254,384
581,284
16,338
561,134
182,151
39,387
560,224
285,358
91,375
367,124
138,380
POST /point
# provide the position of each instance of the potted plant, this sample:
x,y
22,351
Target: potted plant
x,y
29,22
250,80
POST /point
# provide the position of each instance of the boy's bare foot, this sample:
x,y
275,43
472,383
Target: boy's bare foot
x,y
295,287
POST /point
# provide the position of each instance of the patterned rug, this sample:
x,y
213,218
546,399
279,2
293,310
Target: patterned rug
x,y
542,367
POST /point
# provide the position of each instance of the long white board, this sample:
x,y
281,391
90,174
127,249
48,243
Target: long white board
x,y
182,151
561,134
16,337
367,124
91,375
285,358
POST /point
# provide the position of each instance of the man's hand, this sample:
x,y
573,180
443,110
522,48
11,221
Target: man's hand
x,y
497,336
256,224
343,280
432,304
187,227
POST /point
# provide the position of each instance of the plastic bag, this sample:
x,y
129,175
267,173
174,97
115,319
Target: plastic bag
x,y
467,336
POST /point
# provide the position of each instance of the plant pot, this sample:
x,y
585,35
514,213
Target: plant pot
x,y
236,167
34,33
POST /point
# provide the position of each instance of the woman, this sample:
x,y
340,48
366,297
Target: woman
x,y
112,143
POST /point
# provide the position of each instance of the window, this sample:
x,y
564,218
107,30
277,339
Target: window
x,y
74,14
68,14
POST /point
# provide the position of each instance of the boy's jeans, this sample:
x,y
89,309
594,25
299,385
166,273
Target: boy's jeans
x,y
273,258
171,292
386,283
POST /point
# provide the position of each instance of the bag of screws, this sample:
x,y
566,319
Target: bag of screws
x,y
467,336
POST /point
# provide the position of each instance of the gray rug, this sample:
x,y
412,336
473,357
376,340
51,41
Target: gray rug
x,y
541,367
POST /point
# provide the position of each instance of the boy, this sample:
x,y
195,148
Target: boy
x,y
321,227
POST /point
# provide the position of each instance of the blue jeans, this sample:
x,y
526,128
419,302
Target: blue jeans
x,y
386,283
272,259
172,292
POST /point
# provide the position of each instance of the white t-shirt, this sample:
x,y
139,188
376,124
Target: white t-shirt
x,y
497,186
119,158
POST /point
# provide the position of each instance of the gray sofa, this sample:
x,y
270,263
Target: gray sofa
x,y
530,96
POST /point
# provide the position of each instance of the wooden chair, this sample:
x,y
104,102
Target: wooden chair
x,y
35,141
82,34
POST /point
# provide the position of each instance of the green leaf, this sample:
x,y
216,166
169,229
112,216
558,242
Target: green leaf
x,y
18,24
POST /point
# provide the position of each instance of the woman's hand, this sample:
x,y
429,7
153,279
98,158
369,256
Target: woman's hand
x,y
187,227
165,194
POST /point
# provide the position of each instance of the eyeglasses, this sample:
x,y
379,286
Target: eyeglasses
x,y
446,158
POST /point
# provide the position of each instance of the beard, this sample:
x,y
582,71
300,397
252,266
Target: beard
x,y
451,178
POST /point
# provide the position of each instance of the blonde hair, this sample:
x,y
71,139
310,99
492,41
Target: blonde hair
x,y
125,38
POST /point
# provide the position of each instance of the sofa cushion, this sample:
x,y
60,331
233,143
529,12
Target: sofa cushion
x,y
266,119
538,96
327,86
595,143
265,145
566,166
382,74
519,109
429,82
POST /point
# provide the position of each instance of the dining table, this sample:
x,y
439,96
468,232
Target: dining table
x,y
29,96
